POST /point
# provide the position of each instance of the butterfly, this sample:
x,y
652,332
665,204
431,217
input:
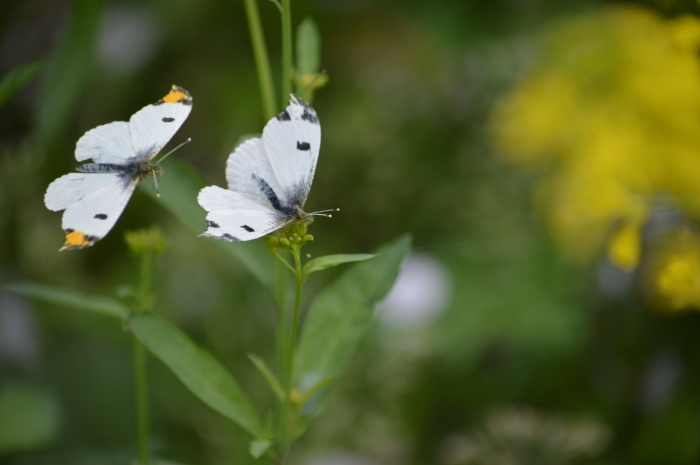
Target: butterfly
x,y
94,198
269,178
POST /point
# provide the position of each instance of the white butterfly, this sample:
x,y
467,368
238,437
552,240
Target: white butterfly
x,y
269,178
94,198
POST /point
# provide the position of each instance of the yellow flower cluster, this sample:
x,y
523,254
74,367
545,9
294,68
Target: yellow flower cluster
x,y
676,276
613,112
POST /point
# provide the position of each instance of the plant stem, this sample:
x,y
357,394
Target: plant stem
x,y
142,419
262,62
295,316
286,51
141,363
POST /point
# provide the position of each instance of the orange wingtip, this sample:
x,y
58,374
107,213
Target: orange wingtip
x,y
77,240
177,94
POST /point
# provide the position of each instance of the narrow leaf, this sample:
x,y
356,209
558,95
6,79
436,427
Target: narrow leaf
x,y
197,369
179,187
269,376
67,72
321,263
341,315
259,447
308,48
71,299
17,78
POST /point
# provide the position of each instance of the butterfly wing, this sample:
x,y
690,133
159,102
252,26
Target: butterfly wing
x,y
143,136
292,141
109,143
246,164
233,217
92,202
154,125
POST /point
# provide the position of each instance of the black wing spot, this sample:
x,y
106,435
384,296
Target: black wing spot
x,y
248,228
309,115
68,230
303,146
168,119
230,238
101,216
284,116
212,224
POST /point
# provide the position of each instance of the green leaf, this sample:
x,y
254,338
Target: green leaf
x,y
17,78
29,418
341,315
308,48
321,263
269,376
71,299
259,447
67,72
179,187
197,369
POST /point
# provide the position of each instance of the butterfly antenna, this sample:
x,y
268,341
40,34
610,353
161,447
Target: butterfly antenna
x,y
323,212
155,181
163,157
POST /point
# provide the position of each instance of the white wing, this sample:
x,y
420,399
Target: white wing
x,y
154,125
247,162
93,203
233,217
292,141
109,143
144,136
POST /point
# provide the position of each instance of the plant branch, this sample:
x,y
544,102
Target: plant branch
x,y
286,51
262,62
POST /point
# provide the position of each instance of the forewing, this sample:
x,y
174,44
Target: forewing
x,y
92,216
109,143
292,141
247,162
234,218
153,126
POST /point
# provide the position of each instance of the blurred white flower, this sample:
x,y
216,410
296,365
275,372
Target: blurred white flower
x,y
129,37
420,293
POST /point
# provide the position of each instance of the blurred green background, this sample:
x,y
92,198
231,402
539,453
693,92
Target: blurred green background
x,y
545,154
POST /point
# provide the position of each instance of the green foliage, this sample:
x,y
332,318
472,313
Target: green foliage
x,y
308,76
328,261
269,376
28,418
341,315
67,72
308,48
71,299
197,369
17,78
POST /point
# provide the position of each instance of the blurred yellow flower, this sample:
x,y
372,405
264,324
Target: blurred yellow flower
x,y
676,276
613,111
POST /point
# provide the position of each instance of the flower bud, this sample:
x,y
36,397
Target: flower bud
x,y
307,238
284,242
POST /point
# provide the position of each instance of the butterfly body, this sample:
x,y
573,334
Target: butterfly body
x,y
95,196
269,178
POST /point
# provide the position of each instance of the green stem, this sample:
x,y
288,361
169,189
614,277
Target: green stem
x,y
296,252
262,62
140,363
286,51
142,418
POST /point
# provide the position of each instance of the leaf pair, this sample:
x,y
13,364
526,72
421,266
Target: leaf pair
x,y
336,322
